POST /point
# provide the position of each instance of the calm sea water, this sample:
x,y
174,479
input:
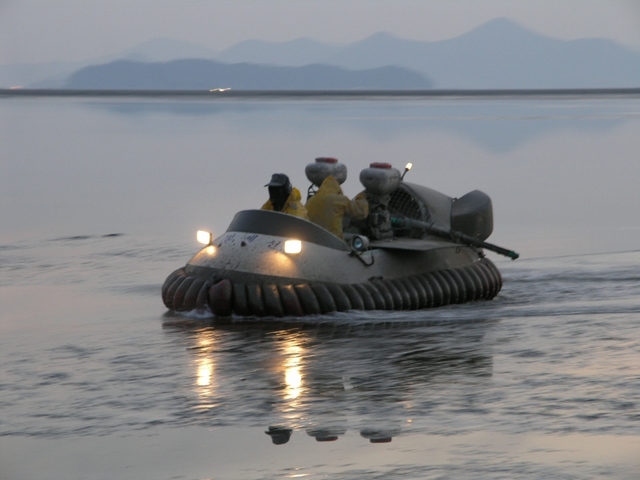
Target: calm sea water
x,y
99,201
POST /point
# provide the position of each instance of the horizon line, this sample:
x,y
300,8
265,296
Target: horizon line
x,y
219,93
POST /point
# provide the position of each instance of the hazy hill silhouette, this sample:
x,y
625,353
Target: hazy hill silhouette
x,y
207,74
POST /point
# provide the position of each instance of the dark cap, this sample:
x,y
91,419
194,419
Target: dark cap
x,y
278,180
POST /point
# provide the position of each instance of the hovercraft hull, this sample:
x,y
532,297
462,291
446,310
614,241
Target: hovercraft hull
x,y
248,272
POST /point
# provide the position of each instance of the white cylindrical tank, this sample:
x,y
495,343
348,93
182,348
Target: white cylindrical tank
x,y
380,178
323,167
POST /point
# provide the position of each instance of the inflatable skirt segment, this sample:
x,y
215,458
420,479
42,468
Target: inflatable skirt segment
x,y
480,280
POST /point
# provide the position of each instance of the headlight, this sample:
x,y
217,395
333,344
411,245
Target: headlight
x,y
204,237
292,246
360,243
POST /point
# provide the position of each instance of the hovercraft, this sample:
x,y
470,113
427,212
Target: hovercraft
x,y
416,249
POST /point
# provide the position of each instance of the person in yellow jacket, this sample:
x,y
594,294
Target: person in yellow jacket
x,y
284,198
329,205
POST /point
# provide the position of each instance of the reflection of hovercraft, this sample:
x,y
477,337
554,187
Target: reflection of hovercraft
x,y
417,249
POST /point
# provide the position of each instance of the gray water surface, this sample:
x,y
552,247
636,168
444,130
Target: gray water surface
x,y
99,203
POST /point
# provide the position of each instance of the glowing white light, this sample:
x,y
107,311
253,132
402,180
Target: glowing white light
x,y
204,237
408,166
292,246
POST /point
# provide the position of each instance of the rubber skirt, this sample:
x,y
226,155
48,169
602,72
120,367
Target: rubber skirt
x,y
478,281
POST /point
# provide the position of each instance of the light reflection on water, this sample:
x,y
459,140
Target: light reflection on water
x,y
205,373
292,372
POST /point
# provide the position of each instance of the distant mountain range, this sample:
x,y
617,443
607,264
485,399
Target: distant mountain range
x,y
498,54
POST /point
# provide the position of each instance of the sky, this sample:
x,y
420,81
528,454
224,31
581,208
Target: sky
x,y
34,31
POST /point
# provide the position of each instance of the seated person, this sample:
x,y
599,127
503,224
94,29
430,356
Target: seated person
x,y
329,205
284,198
